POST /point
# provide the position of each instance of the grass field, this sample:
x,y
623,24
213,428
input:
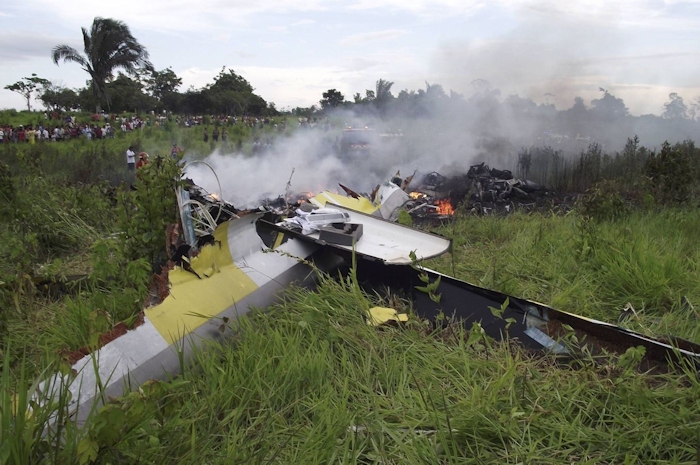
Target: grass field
x,y
309,381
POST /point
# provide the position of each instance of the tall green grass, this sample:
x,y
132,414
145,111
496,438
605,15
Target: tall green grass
x,y
647,258
35,424
311,382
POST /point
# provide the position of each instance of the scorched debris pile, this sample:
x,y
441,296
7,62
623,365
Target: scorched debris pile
x,y
482,190
434,197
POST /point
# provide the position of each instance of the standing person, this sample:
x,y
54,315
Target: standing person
x,y
131,159
175,152
215,135
206,134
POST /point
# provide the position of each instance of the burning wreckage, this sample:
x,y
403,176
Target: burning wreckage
x,y
482,190
232,261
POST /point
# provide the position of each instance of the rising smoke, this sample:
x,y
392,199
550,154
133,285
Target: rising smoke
x,y
447,135
308,160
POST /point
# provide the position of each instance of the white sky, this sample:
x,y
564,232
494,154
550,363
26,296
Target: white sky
x,y
293,50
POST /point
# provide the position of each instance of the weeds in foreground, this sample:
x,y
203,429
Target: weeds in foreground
x,y
35,426
648,259
311,382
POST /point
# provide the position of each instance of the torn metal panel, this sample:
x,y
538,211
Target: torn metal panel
x,y
183,200
534,325
229,275
342,234
390,198
234,273
382,240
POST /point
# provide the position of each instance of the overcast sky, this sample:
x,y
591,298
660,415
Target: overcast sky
x,y
293,50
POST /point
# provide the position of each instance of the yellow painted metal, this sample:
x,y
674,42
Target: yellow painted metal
x,y
193,301
380,315
363,204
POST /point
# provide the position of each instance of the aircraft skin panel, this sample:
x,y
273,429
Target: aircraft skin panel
x,y
221,284
363,204
390,242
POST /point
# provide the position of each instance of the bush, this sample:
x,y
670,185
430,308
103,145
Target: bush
x,y
671,174
602,202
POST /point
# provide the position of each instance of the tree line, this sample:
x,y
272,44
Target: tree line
x,y
109,48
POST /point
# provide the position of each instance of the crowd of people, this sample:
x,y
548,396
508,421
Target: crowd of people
x,y
104,126
48,133
56,128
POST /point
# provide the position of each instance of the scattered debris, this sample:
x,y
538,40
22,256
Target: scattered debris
x,y
627,313
245,271
341,233
313,221
381,315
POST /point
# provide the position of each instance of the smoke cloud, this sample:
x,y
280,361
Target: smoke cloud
x,y
309,160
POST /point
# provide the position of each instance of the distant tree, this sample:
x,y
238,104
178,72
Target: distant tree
x,y
370,96
521,105
435,92
675,108
232,94
609,107
29,87
383,97
304,112
160,83
694,110
128,95
579,106
108,46
456,96
196,102
331,99
409,103
256,105
58,98
383,93
229,80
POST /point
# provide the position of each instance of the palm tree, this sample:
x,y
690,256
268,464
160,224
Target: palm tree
x,y
109,45
383,94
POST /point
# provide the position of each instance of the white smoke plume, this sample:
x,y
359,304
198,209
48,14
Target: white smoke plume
x,y
310,158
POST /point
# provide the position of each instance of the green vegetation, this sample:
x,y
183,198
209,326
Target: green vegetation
x,y
108,46
309,381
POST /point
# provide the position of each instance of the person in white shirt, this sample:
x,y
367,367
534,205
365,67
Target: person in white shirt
x,y
131,159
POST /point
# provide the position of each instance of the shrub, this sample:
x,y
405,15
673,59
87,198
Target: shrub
x,y
670,173
602,202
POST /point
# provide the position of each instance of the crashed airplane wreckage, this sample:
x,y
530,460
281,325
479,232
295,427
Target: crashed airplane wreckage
x,y
248,259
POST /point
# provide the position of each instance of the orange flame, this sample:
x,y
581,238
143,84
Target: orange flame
x,y
444,207
417,195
